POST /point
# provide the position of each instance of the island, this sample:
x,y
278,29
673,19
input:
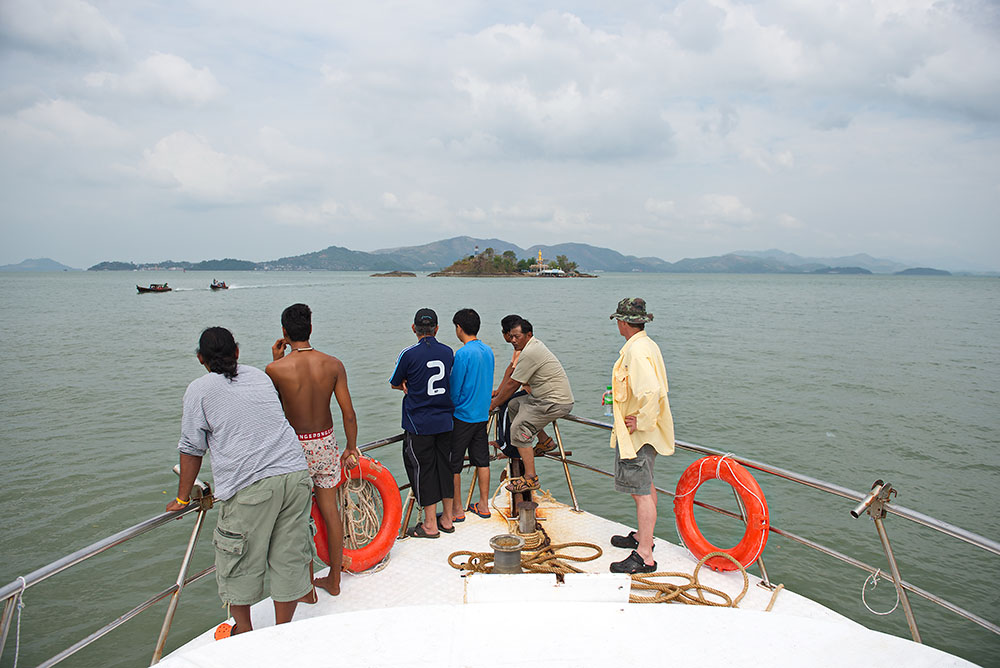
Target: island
x,y
842,270
395,274
490,265
923,271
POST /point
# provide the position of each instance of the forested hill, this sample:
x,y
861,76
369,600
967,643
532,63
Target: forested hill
x,y
439,254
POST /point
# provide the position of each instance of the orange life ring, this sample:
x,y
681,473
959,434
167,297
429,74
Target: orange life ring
x,y
729,470
371,554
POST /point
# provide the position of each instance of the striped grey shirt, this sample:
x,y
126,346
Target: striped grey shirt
x,y
241,421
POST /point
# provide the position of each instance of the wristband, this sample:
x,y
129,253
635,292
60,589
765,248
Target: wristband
x,y
183,503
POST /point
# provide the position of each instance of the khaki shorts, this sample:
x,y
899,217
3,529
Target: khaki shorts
x,y
528,415
265,527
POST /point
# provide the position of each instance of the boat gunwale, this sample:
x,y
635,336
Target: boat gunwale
x,y
9,593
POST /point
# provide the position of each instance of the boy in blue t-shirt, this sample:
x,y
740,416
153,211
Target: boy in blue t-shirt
x,y
422,373
471,391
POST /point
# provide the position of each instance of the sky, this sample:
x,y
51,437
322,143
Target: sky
x,y
140,130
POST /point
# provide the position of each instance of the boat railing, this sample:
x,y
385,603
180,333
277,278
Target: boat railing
x,y
876,503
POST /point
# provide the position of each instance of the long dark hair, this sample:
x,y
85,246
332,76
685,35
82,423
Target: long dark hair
x,y
218,348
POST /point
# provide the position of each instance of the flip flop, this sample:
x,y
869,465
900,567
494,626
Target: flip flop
x,y
474,508
224,630
456,520
418,532
441,528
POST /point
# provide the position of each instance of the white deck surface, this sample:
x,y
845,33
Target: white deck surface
x,y
379,619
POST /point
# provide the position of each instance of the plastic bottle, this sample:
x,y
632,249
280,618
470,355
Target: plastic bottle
x,y
607,401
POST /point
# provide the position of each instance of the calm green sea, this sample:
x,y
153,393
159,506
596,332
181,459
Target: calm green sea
x,y
844,378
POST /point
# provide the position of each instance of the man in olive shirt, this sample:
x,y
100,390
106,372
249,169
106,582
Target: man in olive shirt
x,y
551,398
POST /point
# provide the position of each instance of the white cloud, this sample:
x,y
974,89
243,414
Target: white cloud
x,y
725,210
163,77
188,163
62,122
661,208
297,215
789,222
60,26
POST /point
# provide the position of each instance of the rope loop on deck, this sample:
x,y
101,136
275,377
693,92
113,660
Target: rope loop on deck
x,y
555,559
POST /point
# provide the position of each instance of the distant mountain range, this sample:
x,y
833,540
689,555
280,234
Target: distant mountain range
x,y
40,264
440,254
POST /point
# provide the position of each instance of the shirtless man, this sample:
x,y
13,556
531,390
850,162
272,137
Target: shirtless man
x,y
306,379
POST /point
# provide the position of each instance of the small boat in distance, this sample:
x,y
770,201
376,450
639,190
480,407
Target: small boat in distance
x,y
218,286
154,287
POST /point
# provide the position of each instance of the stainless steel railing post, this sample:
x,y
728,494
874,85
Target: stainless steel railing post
x,y
181,577
874,503
562,457
8,616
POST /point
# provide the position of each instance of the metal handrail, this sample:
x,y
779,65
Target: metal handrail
x,y
920,518
11,591
91,550
819,547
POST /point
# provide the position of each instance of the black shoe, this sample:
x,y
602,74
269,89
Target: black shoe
x,y
633,563
629,542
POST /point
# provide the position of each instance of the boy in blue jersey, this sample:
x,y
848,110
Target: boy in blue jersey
x,y
471,390
422,373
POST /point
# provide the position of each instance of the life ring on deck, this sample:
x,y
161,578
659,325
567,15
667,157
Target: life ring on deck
x,y
728,470
371,554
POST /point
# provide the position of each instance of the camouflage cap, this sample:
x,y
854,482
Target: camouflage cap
x,y
632,310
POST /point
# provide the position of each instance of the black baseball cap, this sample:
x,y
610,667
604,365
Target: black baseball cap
x,y
426,316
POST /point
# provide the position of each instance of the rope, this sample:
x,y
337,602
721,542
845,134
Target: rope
x,y
546,560
533,540
554,560
20,607
359,513
873,578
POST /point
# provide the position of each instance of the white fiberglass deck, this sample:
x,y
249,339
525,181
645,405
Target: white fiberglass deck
x,y
383,618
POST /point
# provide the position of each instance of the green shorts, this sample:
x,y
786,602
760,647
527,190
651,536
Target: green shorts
x,y
265,528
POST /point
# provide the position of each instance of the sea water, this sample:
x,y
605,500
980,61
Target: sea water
x,y
843,378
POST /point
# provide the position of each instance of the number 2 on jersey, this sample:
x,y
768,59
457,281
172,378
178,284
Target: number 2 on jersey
x,y
431,390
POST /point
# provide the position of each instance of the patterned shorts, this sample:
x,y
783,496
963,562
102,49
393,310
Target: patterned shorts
x,y
323,457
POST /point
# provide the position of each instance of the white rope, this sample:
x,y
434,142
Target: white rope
x,y
359,512
20,607
873,578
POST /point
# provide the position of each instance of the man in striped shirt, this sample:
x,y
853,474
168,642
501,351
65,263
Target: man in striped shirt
x,y
261,483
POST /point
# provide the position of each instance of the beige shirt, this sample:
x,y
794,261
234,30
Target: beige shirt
x,y
639,386
539,368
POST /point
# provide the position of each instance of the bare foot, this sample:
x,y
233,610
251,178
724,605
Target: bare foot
x,y
311,597
327,583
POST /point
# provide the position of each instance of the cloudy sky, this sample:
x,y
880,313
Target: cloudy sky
x,y
145,130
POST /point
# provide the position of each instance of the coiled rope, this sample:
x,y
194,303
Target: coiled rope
x,y
359,512
553,559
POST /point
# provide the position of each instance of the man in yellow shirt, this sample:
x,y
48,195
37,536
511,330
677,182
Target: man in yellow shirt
x,y
643,428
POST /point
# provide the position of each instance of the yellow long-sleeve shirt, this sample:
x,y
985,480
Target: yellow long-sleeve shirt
x,y
639,386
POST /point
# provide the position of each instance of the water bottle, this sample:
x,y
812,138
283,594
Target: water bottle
x,y
607,400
